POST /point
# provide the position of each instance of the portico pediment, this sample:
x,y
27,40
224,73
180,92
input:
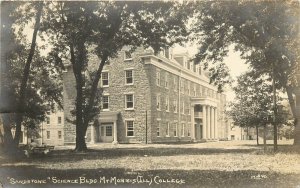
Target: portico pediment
x,y
205,101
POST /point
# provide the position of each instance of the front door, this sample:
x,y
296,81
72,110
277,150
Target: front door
x,y
106,132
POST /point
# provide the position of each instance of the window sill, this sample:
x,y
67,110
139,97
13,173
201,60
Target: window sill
x,y
128,59
105,86
105,110
130,84
129,109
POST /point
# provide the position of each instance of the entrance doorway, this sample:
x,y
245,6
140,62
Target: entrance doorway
x,y
106,132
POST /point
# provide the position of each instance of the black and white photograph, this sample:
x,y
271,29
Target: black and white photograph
x,y
159,93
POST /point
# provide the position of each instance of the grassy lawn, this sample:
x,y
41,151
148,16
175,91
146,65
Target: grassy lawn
x,y
214,164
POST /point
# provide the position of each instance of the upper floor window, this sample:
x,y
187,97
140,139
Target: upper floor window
x,y
129,101
127,55
175,83
182,108
129,76
59,120
48,120
158,78
189,129
158,101
175,105
105,78
167,104
182,85
105,102
168,129
194,90
166,80
188,88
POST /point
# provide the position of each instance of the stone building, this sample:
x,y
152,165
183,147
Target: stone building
x,y
151,97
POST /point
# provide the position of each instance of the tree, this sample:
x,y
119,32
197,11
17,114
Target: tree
x,y
30,83
252,103
266,33
104,28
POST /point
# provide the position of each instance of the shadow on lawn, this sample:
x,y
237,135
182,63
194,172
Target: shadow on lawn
x,y
64,155
191,178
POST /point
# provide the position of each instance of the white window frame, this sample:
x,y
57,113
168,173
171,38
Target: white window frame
x,y
182,107
60,135
182,129
59,118
158,78
167,104
48,121
166,80
175,106
158,129
175,83
158,102
132,76
131,108
175,130
168,129
125,58
105,72
105,109
126,123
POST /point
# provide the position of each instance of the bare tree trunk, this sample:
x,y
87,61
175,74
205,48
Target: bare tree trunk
x,y
26,71
257,142
265,139
297,118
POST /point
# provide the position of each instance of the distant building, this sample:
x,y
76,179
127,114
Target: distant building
x,y
158,98
49,132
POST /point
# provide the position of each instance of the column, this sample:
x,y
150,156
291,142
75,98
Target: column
x,y
213,123
208,122
193,122
115,133
216,124
204,122
92,134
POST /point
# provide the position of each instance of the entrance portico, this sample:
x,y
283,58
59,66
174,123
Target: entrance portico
x,y
106,131
204,119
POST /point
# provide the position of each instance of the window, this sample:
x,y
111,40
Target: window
x,y
130,128
59,120
158,78
59,134
167,104
194,91
189,129
182,108
175,105
158,129
129,101
105,79
127,55
48,135
158,101
108,131
182,129
166,80
181,86
105,102
48,120
188,65
188,110
189,88
175,129
175,83
129,76
168,129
